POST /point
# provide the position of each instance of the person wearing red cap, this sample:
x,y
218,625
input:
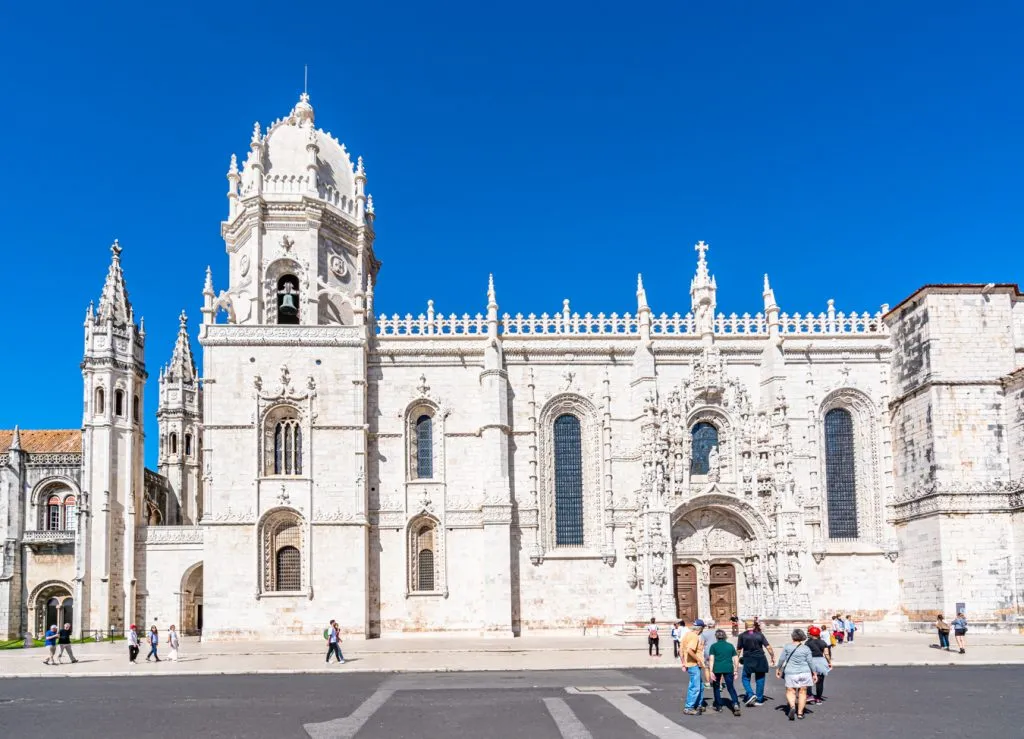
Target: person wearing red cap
x,y
821,660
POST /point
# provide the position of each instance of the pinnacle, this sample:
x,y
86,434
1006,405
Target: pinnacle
x,y
16,439
114,302
182,367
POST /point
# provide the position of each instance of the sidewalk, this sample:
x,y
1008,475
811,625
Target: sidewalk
x,y
459,654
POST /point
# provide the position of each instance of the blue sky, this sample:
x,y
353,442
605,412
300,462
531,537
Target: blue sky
x,y
854,151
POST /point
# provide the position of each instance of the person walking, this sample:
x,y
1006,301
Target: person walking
x,y
334,643
724,666
154,644
675,639
133,645
693,664
943,628
838,629
707,638
751,646
959,625
51,644
821,661
850,627
653,640
64,640
795,668
172,644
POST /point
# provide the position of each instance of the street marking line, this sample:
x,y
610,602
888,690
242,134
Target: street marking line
x,y
568,725
348,727
648,719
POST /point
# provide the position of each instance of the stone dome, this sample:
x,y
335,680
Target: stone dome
x,y
285,157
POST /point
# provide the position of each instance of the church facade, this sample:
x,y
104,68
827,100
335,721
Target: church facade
x,y
503,474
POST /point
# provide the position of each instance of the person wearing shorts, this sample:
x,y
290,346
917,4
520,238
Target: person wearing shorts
x,y
796,667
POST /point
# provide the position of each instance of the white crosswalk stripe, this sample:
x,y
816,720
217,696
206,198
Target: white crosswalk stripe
x,y
568,725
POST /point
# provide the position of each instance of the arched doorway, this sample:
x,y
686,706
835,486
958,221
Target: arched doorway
x,y
191,619
53,604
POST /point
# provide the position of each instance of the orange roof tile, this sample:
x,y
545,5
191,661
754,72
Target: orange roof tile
x,y
42,442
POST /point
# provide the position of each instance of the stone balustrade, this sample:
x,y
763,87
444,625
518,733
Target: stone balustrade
x,y
48,537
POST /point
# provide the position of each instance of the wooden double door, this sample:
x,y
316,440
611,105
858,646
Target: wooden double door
x,y
721,591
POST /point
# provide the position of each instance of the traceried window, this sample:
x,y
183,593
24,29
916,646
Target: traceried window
x,y
840,474
424,447
288,447
568,481
704,439
281,541
423,537
119,403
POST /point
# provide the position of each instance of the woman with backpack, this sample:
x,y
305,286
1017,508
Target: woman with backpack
x,y
796,667
959,625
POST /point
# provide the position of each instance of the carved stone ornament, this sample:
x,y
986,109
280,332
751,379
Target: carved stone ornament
x,y
338,266
243,265
287,243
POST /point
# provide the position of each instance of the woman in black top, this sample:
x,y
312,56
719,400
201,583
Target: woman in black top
x,y
821,660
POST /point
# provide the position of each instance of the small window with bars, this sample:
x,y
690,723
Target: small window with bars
x,y
288,569
424,447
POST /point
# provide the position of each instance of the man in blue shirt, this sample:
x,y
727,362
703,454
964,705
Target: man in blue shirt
x,y
51,644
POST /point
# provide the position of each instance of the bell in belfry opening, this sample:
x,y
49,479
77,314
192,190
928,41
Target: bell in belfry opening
x,y
288,308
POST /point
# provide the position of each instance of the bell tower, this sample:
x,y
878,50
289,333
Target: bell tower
x,y
299,232
114,377
179,416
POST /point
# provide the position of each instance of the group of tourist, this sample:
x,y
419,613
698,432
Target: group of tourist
x,y
959,627
153,640
842,629
58,637
710,660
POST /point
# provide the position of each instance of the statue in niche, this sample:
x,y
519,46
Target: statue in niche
x,y
714,465
794,563
748,571
773,570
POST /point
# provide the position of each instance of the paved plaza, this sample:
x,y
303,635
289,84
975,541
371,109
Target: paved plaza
x,y
922,702
459,653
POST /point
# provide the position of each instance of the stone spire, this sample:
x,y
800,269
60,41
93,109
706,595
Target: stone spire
x,y
114,299
182,367
702,294
16,440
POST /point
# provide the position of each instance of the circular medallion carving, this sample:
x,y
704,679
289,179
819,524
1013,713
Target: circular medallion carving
x,y
243,265
338,266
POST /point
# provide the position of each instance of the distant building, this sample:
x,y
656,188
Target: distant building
x,y
497,473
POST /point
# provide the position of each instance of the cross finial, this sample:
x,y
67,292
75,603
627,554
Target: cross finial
x,y
701,248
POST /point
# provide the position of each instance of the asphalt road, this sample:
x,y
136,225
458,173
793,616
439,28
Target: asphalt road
x,y
865,702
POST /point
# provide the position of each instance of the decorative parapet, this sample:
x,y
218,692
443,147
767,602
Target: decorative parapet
x,y
829,323
169,535
48,537
67,459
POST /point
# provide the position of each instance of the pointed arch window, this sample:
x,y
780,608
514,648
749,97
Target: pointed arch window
x,y
174,442
568,448
423,556
282,442
840,474
424,447
704,438
100,401
188,445
119,403
281,542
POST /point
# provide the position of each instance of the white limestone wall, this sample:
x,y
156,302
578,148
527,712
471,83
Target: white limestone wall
x,y
864,585
162,565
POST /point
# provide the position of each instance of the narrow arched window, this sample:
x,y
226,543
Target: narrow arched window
x,y
288,300
422,548
568,481
424,447
136,409
53,512
426,569
288,569
119,403
174,442
70,513
840,474
704,439
100,398
288,447
188,445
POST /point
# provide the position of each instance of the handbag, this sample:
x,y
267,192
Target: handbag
x,y
783,670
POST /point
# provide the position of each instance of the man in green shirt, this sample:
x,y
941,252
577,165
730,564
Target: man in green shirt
x,y
724,665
